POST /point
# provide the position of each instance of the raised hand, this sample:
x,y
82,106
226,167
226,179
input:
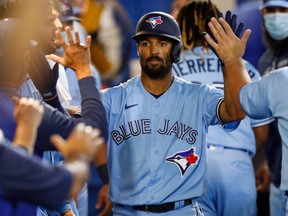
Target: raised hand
x,y
81,143
226,45
76,55
28,114
231,19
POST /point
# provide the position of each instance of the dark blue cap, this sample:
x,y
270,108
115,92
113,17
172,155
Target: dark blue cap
x,y
158,23
274,3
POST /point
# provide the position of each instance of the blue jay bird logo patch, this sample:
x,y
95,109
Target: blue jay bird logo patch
x,y
184,159
154,21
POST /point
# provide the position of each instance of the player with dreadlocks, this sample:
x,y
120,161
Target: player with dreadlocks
x,y
228,153
193,22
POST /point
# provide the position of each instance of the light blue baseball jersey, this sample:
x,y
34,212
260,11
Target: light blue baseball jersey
x,y
202,66
266,98
156,147
28,89
74,89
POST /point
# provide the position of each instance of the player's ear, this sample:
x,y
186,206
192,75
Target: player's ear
x,y
137,49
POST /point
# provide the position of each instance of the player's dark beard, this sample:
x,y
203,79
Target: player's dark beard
x,y
155,73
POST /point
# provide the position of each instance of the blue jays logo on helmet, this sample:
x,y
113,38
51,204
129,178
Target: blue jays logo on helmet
x,y
167,26
184,159
154,21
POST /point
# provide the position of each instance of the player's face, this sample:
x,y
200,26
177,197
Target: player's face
x,y
46,34
155,58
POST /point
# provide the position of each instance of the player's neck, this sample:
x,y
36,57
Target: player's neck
x,y
156,86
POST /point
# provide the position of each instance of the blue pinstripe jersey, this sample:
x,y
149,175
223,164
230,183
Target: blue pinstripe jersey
x,y
202,66
266,98
156,151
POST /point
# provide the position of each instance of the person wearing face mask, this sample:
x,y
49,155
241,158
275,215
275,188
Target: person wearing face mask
x,y
275,35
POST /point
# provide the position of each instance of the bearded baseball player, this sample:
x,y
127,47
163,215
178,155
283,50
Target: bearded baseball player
x,y
158,122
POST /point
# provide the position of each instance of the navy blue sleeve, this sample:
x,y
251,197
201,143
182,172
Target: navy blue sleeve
x,y
55,122
25,178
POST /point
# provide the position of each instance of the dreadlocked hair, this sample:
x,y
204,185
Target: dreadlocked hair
x,y
193,20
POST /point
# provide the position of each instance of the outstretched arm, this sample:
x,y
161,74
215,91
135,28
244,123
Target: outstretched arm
x,y
230,50
77,57
57,183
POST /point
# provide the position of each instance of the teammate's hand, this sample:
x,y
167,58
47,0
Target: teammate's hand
x,y
226,45
41,74
104,201
76,55
28,114
231,19
68,213
74,111
81,143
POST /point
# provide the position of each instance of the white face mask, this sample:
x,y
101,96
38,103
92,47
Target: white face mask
x,y
277,25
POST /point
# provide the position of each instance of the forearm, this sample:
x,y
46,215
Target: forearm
x,y
261,134
24,177
100,157
100,162
55,122
92,108
25,137
259,160
235,77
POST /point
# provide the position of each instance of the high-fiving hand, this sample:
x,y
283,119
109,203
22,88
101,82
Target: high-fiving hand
x,y
76,55
81,143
